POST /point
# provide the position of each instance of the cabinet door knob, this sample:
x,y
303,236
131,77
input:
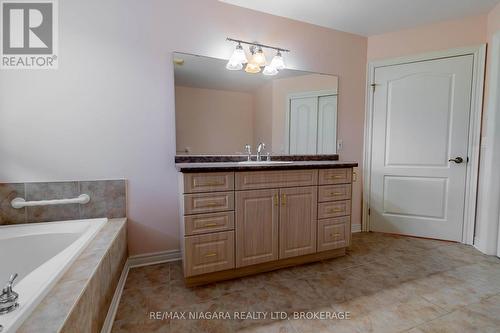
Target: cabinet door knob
x,y
283,199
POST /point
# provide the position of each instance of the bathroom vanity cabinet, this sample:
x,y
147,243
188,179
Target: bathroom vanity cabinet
x,y
236,223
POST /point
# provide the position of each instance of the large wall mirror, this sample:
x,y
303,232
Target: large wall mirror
x,y
219,111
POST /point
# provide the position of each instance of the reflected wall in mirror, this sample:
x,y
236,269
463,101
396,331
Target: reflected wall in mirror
x,y
219,111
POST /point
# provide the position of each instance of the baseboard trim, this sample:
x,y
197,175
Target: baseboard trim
x,y
356,228
154,258
135,261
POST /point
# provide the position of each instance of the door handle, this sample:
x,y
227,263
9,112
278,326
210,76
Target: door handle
x,y
457,160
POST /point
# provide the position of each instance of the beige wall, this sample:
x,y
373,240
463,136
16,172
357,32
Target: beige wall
x,y
210,121
470,31
263,116
283,87
108,111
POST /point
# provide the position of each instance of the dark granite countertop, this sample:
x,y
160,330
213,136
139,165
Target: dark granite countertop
x,y
238,158
255,166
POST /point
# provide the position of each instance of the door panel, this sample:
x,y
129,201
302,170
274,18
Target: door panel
x,y
298,223
256,226
419,103
327,125
420,120
303,125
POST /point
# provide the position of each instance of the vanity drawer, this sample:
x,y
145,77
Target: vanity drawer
x,y
205,223
208,202
335,176
208,182
249,180
334,209
333,233
334,192
208,253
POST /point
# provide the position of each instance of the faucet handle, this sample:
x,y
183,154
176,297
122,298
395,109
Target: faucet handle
x,y
8,286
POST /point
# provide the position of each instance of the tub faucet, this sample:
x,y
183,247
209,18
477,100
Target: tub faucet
x,y
8,298
260,147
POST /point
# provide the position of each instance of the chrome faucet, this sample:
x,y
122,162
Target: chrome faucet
x,y
260,147
8,298
248,150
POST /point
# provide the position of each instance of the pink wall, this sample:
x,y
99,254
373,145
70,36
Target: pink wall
x,y
108,111
469,31
208,122
493,21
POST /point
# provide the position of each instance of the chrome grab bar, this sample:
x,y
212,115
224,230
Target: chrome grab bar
x,y
21,203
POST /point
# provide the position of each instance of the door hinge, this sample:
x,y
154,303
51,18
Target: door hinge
x,y
373,85
369,211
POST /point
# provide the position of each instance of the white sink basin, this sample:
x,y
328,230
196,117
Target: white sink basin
x,y
264,162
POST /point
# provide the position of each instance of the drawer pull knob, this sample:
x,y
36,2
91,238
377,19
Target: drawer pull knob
x,y
208,255
276,200
335,210
336,193
335,235
214,183
336,177
210,225
283,199
212,204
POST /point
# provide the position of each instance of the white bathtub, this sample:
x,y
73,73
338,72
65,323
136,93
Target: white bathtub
x,y
40,253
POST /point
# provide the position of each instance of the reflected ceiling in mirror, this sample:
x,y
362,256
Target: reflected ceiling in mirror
x,y
219,111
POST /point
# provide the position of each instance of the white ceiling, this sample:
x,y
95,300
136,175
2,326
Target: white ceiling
x,y
369,17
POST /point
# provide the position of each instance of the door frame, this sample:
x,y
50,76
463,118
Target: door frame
x,y
304,94
487,240
479,54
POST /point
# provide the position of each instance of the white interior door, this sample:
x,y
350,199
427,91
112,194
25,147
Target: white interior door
x,y
327,125
303,125
420,121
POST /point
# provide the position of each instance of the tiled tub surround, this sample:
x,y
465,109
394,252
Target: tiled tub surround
x,y
107,199
80,300
40,253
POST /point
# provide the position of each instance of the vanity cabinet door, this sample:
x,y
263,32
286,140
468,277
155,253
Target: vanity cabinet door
x,y
298,221
256,226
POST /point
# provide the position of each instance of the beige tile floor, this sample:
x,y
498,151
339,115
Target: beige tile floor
x,y
386,283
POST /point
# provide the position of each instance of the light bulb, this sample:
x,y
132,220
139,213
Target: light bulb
x,y
252,68
270,70
259,58
278,61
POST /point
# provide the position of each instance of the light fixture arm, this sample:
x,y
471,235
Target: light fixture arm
x,y
239,41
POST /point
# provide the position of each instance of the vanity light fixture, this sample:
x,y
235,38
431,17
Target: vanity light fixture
x,y
252,68
270,70
257,58
278,61
238,58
